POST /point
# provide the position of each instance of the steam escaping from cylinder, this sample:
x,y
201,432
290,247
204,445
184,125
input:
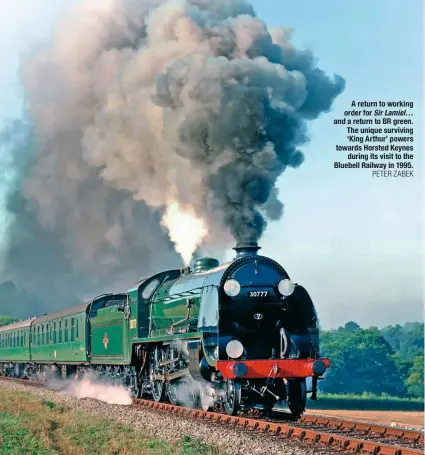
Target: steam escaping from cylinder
x,y
90,386
142,113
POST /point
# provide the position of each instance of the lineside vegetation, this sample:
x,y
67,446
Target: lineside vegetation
x,y
33,426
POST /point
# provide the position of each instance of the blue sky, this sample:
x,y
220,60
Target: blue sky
x,y
354,241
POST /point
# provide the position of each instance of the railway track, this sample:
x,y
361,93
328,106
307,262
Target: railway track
x,y
337,434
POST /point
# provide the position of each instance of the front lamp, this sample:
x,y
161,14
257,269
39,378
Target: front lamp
x,y
286,287
232,288
234,349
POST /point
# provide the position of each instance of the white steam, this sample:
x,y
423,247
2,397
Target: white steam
x,y
185,229
90,387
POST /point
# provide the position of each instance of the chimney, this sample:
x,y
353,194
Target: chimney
x,y
246,249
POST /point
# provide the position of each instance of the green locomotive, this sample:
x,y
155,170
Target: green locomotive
x,y
240,334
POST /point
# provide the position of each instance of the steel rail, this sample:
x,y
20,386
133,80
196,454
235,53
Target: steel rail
x,y
283,430
365,428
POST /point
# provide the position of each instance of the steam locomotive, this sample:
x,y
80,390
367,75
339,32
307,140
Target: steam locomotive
x,y
239,335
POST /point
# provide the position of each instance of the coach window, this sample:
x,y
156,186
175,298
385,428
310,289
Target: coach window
x,y
54,333
72,330
60,331
77,329
25,338
38,335
66,330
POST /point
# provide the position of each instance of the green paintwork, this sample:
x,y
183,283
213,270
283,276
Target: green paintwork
x,y
59,339
159,338
107,332
8,349
109,337
133,324
167,310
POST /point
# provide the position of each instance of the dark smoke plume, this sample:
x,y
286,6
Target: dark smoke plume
x,y
136,105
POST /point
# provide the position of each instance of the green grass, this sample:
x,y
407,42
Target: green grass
x,y
33,426
367,402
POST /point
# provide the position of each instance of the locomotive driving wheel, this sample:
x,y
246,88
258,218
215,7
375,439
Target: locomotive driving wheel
x,y
157,386
172,392
233,397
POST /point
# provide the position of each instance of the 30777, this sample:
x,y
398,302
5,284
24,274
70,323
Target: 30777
x,y
258,293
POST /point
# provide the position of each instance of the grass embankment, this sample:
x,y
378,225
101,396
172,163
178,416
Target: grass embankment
x,y
33,426
366,402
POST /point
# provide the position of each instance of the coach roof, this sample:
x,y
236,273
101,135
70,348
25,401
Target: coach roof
x,y
82,308
17,325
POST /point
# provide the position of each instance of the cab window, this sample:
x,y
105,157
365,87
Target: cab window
x,y
150,289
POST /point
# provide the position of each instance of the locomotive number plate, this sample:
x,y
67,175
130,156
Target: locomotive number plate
x,y
258,293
